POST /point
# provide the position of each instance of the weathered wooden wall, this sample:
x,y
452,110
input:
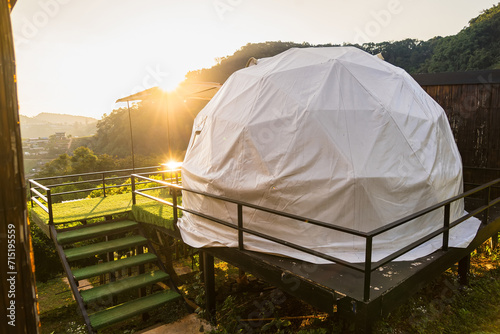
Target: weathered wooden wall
x,y
472,102
18,310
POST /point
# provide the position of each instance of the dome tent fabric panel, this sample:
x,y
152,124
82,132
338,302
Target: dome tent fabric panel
x,y
332,134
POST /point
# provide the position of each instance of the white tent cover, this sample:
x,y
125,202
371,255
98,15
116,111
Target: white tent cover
x,y
333,134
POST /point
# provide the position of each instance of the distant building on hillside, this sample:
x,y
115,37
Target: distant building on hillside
x,y
60,135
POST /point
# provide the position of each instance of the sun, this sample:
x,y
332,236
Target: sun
x,y
172,165
169,84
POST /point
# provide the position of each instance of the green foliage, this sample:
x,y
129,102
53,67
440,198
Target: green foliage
x,y
58,166
83,160
277,326
486,14
156,124
47,262
476,47
313,331
66,197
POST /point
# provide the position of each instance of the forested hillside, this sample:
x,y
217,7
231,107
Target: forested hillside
x,y
476,47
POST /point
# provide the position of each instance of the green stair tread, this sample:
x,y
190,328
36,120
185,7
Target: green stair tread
x,y
89,231
106,267
114,288
124,311
82,252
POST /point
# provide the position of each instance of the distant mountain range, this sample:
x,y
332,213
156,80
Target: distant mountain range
x,y
46,124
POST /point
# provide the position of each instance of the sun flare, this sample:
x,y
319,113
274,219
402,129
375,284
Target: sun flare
x,y
172,165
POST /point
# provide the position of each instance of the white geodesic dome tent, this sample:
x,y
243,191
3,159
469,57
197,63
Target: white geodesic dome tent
x,y
332,134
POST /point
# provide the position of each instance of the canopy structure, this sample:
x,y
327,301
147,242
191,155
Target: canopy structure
x,y
185,90
332,134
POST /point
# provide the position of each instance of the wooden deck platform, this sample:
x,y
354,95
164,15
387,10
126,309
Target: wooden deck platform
x,y
335,288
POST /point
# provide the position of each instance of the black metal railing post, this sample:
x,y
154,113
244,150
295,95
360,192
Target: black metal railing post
x,y
240,226
174,202
446,232
368,268
103,185
49,207
132,178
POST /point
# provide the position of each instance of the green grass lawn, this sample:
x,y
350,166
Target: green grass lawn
x,y
146,210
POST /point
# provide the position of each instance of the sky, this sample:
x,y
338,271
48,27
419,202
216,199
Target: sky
x,y
79,56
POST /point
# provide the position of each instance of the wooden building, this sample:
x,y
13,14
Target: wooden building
x,y
472,102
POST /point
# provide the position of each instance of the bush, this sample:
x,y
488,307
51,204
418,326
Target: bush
x,y
47,263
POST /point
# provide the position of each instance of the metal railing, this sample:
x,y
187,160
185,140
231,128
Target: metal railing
x,y
368,266
41,189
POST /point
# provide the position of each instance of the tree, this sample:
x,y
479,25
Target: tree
x,y
476,47
59,166
83,160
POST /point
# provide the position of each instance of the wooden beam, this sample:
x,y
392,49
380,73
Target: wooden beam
x,y
12,4
16,273
464,270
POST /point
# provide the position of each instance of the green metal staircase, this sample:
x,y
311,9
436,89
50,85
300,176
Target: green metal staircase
x,y
98,305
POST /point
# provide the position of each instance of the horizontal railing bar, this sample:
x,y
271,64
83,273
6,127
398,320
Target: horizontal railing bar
x,y
38,184
373,233
95,181
260,235
434,234
94,173
469,215
42,196
40,205
72,183
305,250
77,191
420,213
406,249
153,188
117,186
357,233
123,185
100,188
260,208
155,198
276,240
176,171
117,178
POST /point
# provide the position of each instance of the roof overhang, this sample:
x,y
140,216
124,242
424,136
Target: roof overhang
x,y
191,90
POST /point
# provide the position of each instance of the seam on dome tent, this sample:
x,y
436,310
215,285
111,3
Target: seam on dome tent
x,y
393,120
354,178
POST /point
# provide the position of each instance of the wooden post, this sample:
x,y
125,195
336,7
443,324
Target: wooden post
x,y
18,287
494,241
209,279
463,270
168,263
